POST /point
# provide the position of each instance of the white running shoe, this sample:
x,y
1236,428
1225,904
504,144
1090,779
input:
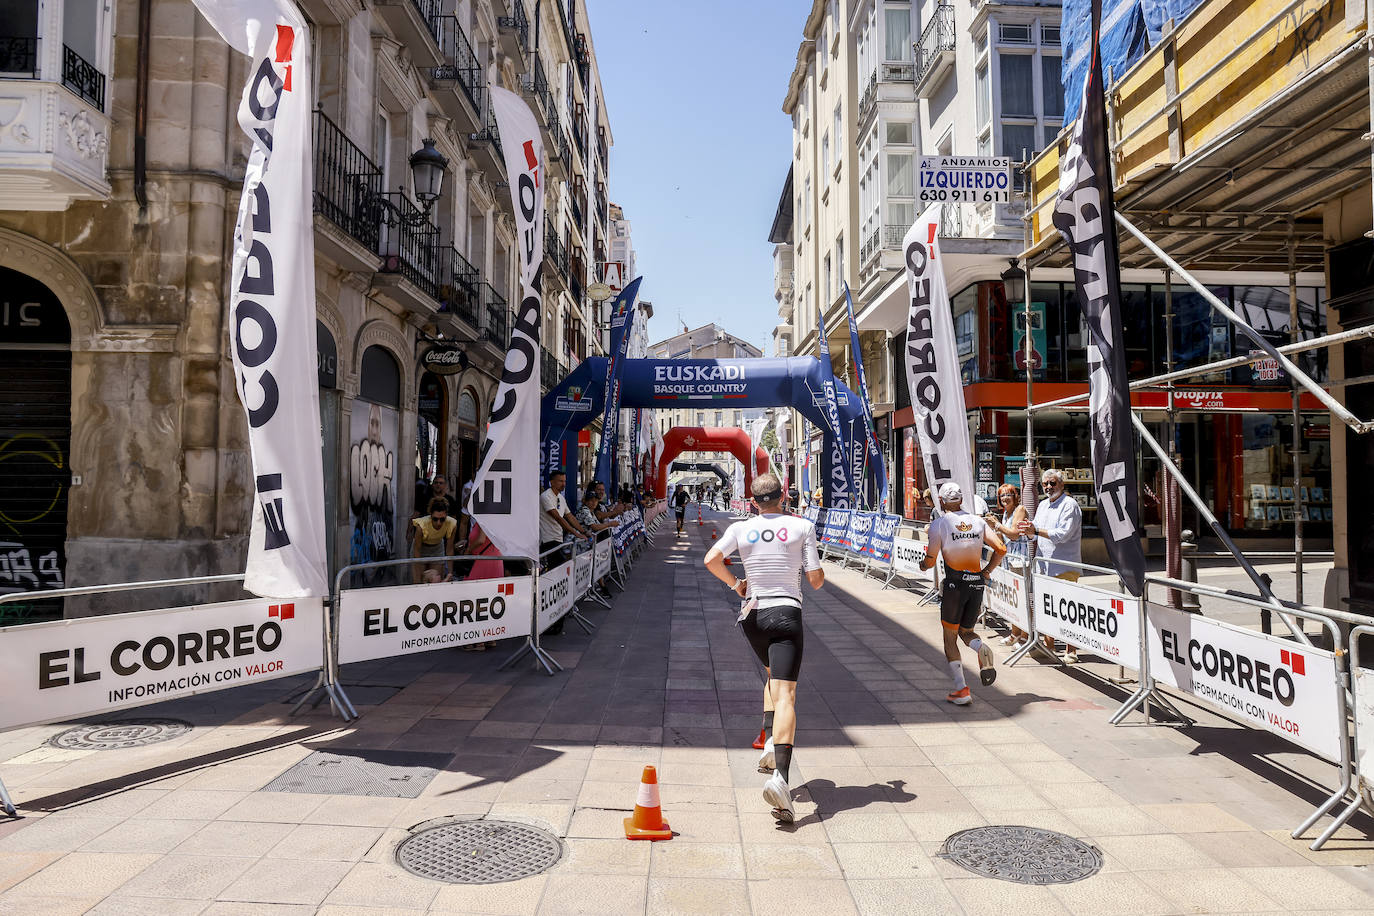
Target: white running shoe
x,y
986,671
767,763
1008,640
779,796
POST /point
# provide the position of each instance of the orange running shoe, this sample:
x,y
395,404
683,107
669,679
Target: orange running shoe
x,y
960,697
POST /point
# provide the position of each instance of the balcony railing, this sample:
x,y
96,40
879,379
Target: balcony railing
x,y
582,58
937,38
489,133
83,78
579,130
550,372
412,251
870,97
899,71
566,16
430,12
870,246
459,291
346,182
496,326
893,235
517,23
460,63
19,56
554,251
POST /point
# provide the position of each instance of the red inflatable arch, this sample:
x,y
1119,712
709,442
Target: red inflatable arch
x,y
734,440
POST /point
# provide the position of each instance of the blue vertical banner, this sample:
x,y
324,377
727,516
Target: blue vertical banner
x,y
875,452
840,486
621,319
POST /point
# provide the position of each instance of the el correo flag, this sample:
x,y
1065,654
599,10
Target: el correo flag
x,y
272,298
621,321
505,492
875,452
840,493
1083,214
932,363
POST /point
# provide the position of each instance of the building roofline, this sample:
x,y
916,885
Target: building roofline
x,y
781,231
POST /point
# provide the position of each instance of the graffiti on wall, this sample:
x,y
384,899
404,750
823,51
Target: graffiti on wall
x,y
372,479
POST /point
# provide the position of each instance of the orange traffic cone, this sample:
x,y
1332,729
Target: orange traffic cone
x,y
648,822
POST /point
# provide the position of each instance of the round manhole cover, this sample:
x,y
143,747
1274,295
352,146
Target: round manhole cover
x,y
1026,855
479,852
111,736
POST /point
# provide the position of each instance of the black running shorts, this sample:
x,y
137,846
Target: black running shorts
x,y
961,598
681,512
775,635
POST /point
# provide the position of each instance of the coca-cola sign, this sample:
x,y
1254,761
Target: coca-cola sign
x,y
444,359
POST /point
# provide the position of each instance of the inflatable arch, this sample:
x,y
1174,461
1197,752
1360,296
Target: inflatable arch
x,y
711,467
734,440
794,381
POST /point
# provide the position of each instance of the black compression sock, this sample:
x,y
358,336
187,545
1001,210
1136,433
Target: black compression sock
x,y
782,759
768,724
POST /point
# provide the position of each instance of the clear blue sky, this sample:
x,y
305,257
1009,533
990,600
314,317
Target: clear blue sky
x,y
694,94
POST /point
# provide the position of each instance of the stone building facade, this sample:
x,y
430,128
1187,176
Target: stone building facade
x,y
123,449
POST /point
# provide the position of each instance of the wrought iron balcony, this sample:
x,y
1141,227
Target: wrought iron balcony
x,y
550,371
893,235
460,65
869,100
899,71
488,141
555,253
18,56
346,183
409,245
459,291
496,317
935,50
417,26
83,78
517,27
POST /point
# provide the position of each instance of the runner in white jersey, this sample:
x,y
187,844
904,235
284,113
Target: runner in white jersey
x,y
776,549
959,536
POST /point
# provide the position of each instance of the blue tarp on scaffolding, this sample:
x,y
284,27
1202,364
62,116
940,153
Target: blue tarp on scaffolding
x,y
1129,29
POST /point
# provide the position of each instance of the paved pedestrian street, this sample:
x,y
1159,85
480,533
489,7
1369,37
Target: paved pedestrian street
x,y
1187,821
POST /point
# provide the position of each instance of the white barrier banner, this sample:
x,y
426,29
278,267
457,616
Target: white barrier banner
x,y
1362,685
555,595
1104,623
69,668
1274,684
404,620
1005,596
582,574
907,554
601,566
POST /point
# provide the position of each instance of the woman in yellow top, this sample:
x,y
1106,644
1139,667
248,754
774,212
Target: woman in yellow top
x,y
433,536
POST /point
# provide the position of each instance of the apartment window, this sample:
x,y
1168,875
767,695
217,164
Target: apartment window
x,y
839,128
1049,34
899,175
1052,85
897,29
381,146
822,45
1014,33
825,156
982,96
1018,84
827,289
806,196
839,259
898,132
1017,138
901,213
701,418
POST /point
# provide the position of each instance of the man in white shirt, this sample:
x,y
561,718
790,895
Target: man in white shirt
x,y
775,548
555,519
959,537
1058,531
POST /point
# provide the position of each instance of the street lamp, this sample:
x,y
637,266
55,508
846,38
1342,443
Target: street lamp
x,y
1014,279
427,167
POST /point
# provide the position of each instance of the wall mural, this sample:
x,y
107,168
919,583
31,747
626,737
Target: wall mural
x,y
372,487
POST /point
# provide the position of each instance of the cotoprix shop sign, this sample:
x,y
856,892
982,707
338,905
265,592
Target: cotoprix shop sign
x,y
69,668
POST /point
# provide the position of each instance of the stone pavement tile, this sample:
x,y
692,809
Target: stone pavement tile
x,y
539,790
495,729
697,860
556,731
605,857
552,764
122,804
247,839
1051,772
670,774
565,895
355,811
146,906
1195,818
1082,795
937,825
140,835
912,798
459,713
691,825
279,807
374,884
790,860
83,874
16,866
319,842
517,898
988,799
1153,852
629,735
979,896
600,823
186,877
286,881
234,778
869,824
1120,820
193,804
56,833
883,860
13,905
981,774
1028,751
693,896
801,897
879,736
620,794
1209,890
700,756
893,756
964,752
804,771
1111,894
903,897
1239,850
1297,888
554,818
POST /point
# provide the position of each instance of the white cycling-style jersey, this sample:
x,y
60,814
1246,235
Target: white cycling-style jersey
x,y
958,536
775,550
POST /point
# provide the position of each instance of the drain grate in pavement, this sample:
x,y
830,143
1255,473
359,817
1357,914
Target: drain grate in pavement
x,y
479,852
114,736
385,774
1025,855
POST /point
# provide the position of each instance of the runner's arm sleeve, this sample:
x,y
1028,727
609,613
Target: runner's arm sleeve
x,y
811,557
728,542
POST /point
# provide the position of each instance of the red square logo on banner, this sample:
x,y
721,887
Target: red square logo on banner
x,y
282,611
505,588
1118,605
1293,660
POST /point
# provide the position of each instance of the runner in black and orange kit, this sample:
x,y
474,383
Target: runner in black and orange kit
x,y
776,548
680,500
959,536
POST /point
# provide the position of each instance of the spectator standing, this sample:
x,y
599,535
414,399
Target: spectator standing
x,y
556,521
1058,532
1008,525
